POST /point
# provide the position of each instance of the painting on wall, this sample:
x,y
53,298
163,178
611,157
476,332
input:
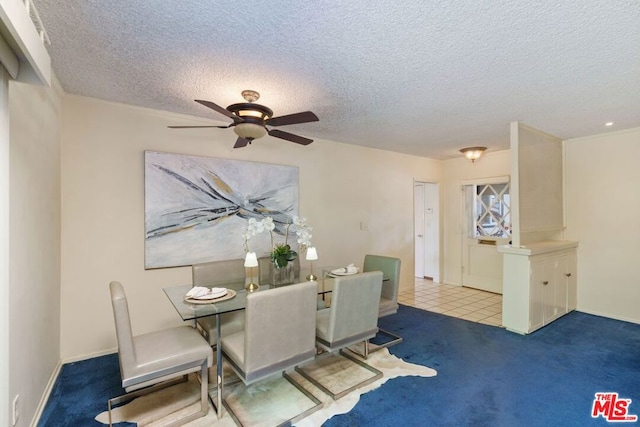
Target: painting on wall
x,y
197,208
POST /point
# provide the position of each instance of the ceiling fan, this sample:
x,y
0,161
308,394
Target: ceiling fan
x,y
250,120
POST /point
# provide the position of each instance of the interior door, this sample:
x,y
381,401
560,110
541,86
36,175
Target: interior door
x,y
418,208
427,230
431,231
487,226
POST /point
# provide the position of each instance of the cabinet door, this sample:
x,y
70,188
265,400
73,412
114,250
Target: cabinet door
x,y
566,274
541,304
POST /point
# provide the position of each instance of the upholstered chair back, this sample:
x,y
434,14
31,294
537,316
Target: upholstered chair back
x,y
124,334
279,332
390,268
353,315
230,273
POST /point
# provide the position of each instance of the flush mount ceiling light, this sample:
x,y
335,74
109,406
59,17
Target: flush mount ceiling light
x,y
250,120
473,153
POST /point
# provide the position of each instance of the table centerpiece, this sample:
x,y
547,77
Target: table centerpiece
x,y
282,255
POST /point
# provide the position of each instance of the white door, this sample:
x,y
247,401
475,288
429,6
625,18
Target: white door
x,y
487,226
418,212
427,230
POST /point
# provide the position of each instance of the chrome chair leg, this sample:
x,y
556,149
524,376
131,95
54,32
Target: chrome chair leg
x,y
375,375
372,348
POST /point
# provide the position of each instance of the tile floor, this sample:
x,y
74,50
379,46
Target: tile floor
x,y
456,301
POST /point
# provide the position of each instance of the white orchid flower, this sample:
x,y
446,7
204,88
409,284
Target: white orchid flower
x,y
268,224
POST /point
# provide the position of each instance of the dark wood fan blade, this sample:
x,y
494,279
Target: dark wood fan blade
x,y
292,119
241,142
219,109
290,137
195,127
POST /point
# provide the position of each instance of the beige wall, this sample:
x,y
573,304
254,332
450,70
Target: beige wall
x,y
456,171
34,260
603,212
4,244
103,209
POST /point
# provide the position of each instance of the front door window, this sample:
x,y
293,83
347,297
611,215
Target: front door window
x,y
491,211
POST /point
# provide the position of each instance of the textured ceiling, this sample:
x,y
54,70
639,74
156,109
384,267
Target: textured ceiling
x,y
419,77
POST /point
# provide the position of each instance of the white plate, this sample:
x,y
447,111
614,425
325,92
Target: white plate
x,y
339,273
211,295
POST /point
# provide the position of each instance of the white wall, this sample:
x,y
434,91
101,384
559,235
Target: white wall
x,y
4,244
603,214
34,260
491,164
103,209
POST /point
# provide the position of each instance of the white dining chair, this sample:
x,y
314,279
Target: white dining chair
x,y
351,319
156,360
279,334
390,268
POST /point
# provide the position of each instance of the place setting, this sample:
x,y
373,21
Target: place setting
x,y
205,295
344,271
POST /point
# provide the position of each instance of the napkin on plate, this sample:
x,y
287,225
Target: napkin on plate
x,y
201,292
350,269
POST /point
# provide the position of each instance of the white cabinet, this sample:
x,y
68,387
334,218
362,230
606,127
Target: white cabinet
x,y
539,284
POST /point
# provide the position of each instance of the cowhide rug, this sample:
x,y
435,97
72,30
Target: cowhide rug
x,y
160,408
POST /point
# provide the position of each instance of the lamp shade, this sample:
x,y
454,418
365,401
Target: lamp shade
x,y
251,260
312,254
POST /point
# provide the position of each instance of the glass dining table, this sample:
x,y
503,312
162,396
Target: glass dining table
x,y
189,311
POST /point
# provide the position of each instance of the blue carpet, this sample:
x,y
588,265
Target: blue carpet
x,y
81,392
486,376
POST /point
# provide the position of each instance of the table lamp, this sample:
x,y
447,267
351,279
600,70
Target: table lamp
x,y
312,255
251,262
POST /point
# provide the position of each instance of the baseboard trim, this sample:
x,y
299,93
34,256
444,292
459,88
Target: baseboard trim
x,y
609,315
90,355
45,396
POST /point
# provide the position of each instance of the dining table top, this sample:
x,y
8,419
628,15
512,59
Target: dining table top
x,y
191,311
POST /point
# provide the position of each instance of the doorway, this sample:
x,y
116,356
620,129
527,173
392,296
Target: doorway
x,y
427,230
488,225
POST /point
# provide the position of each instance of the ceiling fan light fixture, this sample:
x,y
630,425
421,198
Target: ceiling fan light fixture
x,y
250,120
249,131
251,111
473,153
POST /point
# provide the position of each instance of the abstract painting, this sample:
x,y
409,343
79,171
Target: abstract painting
x,y
197,208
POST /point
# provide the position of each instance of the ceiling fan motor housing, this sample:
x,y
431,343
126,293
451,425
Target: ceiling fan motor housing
x,y
249,109
253,119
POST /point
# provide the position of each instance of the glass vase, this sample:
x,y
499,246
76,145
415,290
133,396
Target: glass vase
x,y
280,276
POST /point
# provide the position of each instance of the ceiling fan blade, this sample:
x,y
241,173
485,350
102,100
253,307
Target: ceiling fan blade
x,y
195,127
219,109
290,137
292,119
241,142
